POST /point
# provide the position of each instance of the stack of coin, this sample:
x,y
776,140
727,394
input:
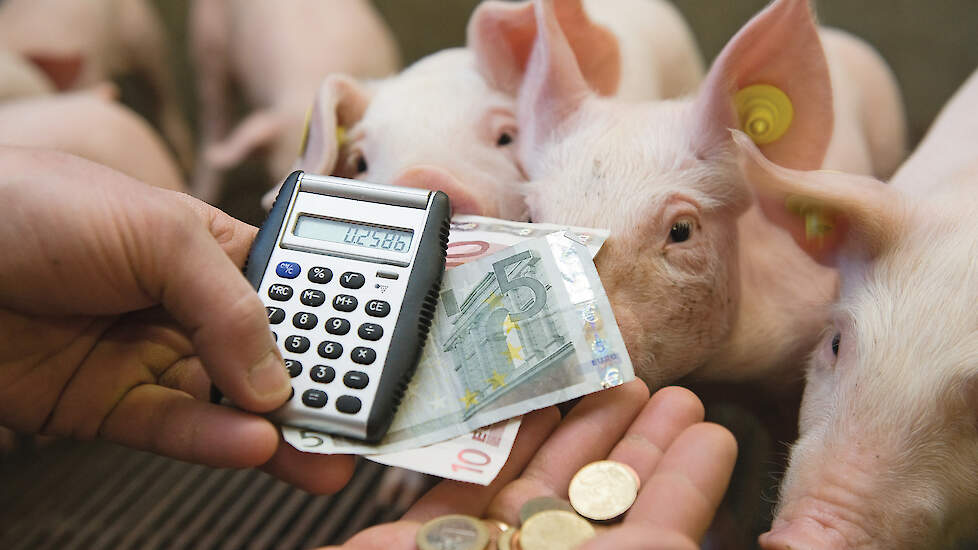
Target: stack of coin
x,y
600,492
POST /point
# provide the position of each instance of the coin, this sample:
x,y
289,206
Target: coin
x,y
603,490
454,532
539,504
555,530
505,540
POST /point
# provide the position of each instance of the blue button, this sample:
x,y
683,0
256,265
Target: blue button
x,y
289,270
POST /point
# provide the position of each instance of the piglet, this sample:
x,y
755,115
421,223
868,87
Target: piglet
x,y
80,44
888,449
702,283
99,130
278,53
448,121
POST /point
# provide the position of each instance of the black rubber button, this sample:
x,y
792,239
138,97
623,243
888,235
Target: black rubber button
x,y
363,355
378,308
304,320
321,275
356,379
312,298
322,373
370,331
330,350
352,279
294,367
314,398
275,315
297,344
336,325
344,302
274,336
348,404
280,293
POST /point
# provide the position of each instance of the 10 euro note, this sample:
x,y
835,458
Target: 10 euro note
x,y
521,329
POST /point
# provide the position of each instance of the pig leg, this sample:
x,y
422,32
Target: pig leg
x,y
144,38
209,48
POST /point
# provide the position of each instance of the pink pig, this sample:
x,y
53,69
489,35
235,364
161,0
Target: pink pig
x,y
448,122
278,52
702,283
83,43
20,78
888,449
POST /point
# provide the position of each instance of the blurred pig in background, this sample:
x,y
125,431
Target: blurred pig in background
x,y
701,282
21,78
448,122
888,452
278,53
80,44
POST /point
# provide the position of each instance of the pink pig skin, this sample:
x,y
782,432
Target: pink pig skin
x,y
19,78
82,43
100,130
888,448
703,284
278,53
448,121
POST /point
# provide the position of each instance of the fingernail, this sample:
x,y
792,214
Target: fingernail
x,y
268,378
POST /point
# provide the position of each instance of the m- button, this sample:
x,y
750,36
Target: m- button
x,y
378,308
312,298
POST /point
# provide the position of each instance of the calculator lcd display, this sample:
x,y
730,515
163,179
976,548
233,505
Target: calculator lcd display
x,y
351,233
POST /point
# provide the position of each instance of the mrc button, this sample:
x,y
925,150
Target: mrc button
x,y
287,270
280,293
378,308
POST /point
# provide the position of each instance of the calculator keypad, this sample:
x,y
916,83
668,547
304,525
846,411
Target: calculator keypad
x,y
338,325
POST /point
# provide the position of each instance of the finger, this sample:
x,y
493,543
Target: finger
x,y
456,497
199,284
588,433
234,236
640,537
171,423
399,535
688,484
670,411
315,473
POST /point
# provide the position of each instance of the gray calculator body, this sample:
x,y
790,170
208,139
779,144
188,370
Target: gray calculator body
x,y
349,272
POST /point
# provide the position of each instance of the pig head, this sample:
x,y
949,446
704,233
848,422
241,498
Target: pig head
x,y
448,122
702,281
888,445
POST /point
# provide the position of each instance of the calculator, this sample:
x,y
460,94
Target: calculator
x,y
350,273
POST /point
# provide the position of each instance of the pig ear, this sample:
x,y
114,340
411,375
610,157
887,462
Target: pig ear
x,y
501,34
554,87
824,210
779,48
340,103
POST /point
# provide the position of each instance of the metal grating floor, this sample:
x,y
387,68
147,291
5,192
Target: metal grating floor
x,y
97,495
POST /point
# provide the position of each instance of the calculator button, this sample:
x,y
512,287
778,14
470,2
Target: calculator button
x,y
370,331
297,344
288,270
294,367
321,275
330,350
363,355
275,336
348,404
378,308
322,373
314,398
344,302
335,325
356,379
312,297
304,320
280,293
352,279
275,315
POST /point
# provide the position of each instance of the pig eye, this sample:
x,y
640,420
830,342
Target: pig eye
x,y
504,139
681,231
361,164
835,343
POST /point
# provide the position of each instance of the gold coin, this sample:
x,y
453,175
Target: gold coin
x,y
505,540
555,530
454,532
603,490
540,504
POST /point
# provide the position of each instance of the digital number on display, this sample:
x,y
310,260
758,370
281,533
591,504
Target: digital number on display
x,y
355,234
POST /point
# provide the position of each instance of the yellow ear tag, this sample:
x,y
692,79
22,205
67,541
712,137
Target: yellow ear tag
x,y
765,112
340,136
818,218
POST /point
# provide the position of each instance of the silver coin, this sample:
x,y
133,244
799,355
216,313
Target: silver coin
x,y
454,532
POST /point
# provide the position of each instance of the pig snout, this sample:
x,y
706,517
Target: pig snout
x,y
463,200
803,534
